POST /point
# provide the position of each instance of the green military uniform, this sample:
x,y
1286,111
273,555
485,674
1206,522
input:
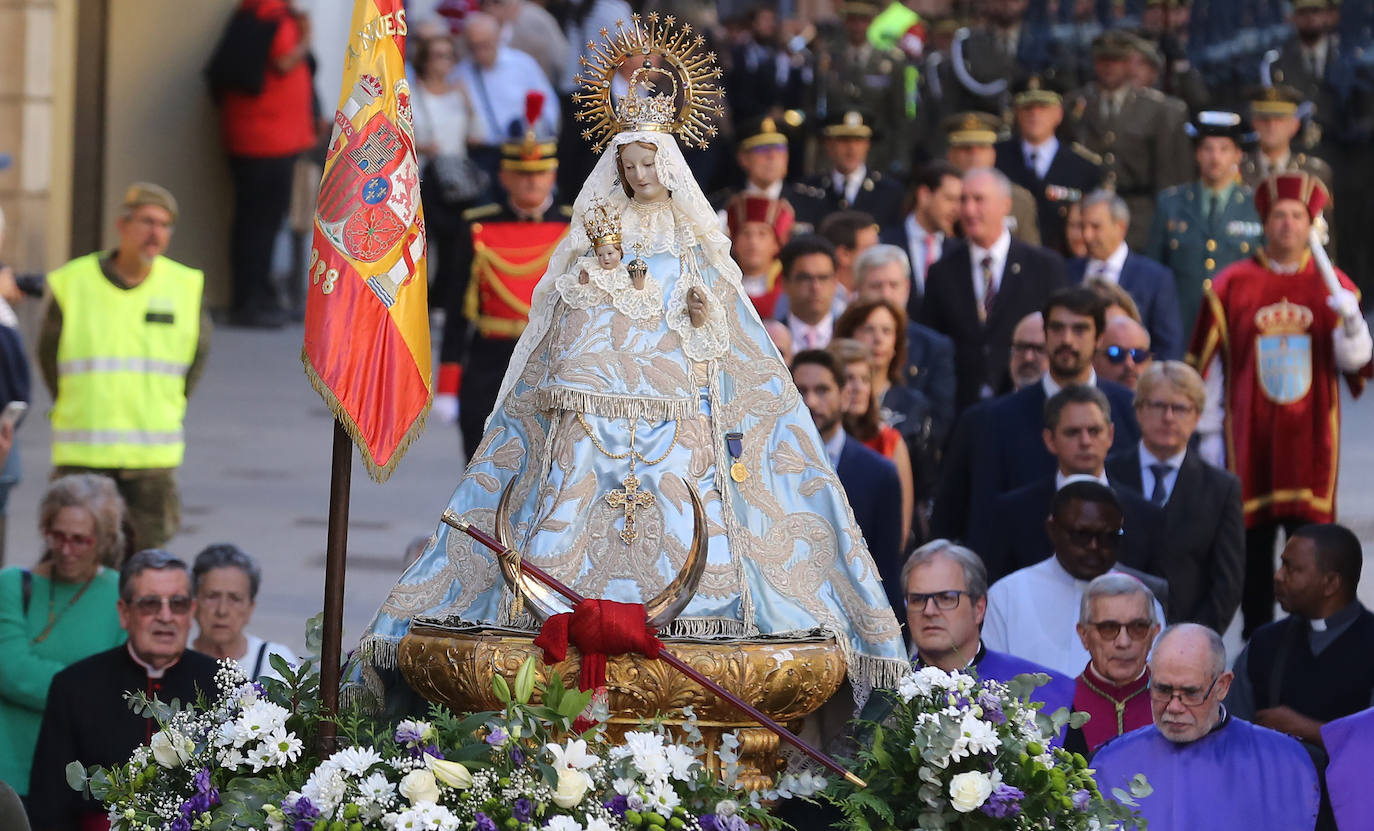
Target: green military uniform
x,y
1283,102
1137,132
874,80
982,130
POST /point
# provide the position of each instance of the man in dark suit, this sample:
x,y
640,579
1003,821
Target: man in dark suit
x,y
809,285
927,230
978,292
1012,452
869,480
1057,175
1204,560
1151,285
851,184
1077,432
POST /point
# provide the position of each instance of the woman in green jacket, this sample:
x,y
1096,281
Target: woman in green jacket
x,y
58,612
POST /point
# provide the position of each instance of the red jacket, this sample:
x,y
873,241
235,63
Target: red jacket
x,y
279,121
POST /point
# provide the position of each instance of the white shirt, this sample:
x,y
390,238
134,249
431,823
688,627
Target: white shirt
x,y
1033,614
250,657
849,185
505,84
806,336
1052,386
1044,155
1110,268
441,120
1147,476
773,191
998,252
916,236
834,446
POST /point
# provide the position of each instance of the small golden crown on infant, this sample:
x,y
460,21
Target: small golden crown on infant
x,y
602,223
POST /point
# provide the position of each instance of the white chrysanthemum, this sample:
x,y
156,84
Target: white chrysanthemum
x,y
356,760
562,823
285,747
652,766
376,789
908,688
258,720
325,788
680,761
426,816
975,736
640,744
598,824
260,757
662,798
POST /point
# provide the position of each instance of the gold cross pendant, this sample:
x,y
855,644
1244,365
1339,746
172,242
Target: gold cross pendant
x,y
631,498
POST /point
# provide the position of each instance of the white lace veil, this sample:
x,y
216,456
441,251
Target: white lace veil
x,y
690,206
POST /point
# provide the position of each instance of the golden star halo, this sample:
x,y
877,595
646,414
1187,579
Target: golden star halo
x,y
691,73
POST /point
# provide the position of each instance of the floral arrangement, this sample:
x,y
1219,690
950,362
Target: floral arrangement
x,y
248,760
959,753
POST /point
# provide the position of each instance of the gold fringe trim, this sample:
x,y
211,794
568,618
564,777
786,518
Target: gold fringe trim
x,y
379,473
614,406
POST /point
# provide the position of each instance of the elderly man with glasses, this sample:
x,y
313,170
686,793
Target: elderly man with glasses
x,y
946,590
1208,769
1116,624
87,719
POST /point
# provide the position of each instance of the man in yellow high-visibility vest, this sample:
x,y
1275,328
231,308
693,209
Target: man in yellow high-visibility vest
x,y
123,341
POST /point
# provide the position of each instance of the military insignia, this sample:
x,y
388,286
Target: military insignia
x,y
853,119
1243,228
1059,193
1283,351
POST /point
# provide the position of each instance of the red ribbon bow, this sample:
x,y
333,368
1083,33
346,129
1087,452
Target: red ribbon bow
x,y
598,628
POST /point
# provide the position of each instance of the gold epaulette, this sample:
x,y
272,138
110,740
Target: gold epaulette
x,y
565,210
482,211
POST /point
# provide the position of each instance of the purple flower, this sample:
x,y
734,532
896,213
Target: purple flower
x,y
523,809
407,734
992,708
497,737
1081,799
617,805
433,750
202,780
708,822
485,823
180,824
734,822
303,825
517,758
302,808
1004,802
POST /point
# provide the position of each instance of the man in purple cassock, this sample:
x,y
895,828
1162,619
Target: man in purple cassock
x,y
1207,769
1349,743
946,595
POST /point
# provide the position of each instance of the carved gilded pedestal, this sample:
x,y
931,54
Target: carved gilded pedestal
x,y
787,679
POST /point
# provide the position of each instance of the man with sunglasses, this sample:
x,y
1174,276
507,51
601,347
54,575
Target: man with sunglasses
x,y
1125,352
86,717
1204,561
1033,612
1206,768
1116,624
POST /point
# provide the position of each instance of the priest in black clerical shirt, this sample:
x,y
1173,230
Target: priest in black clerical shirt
x,y
87,719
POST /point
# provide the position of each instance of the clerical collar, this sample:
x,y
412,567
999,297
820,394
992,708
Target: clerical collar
x,y
1052,387
1097,678
1339,621
153,672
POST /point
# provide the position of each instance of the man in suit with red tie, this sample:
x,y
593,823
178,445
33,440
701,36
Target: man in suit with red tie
x,y
928,228
980,289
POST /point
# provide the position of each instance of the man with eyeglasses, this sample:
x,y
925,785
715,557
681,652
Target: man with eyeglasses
x,y
809,284
1110,260
86,717
1078,431
946,590
1204,560
123,342
1125,352
1116,624
1207,768
1033,612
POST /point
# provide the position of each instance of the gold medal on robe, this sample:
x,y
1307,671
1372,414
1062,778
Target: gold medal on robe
x,y
734,442
738,471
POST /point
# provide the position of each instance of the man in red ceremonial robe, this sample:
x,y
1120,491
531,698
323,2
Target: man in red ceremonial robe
x,y
1117,624
1272,340
504,251
758,228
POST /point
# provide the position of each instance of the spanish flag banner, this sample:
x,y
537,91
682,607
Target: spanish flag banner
x,y
366,345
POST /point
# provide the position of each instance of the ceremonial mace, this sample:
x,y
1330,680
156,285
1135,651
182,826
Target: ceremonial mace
x,y
452,520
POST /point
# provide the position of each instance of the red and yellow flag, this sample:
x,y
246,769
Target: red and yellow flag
x,y
367,315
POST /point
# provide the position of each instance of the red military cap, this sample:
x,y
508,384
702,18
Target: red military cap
x,y
1304,187
775,213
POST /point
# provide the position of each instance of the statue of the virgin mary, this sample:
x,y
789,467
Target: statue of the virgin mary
x,y
631,402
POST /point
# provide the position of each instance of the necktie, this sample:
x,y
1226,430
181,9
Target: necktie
x,y
1159,495
989,290
1210,206
932,253
1031,163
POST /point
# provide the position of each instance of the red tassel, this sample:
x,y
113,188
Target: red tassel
x,y
534,105
598,628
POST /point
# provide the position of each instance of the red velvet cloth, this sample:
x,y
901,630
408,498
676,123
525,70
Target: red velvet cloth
x,y
598,628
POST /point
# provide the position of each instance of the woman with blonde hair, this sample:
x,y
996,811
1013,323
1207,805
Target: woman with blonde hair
x,y
60,611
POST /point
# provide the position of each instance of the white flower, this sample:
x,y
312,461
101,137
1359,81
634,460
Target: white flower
x,y
452,774
662,799
171,749
726,807
975,736
908,688
643,744
598,824
624,787
355,760
572,786
258,720
420,730
680,761
325,787
285,747
260,757
562,823
425,817
969,790
420,786
376,789
574,755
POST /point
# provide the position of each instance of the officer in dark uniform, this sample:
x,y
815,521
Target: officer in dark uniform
x,y
1275,112
851,184
971,139
1203,226
1138,134
1056,174
504,252
762,151
853,75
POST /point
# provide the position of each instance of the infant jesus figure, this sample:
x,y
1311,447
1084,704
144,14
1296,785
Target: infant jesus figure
x,y
602,275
